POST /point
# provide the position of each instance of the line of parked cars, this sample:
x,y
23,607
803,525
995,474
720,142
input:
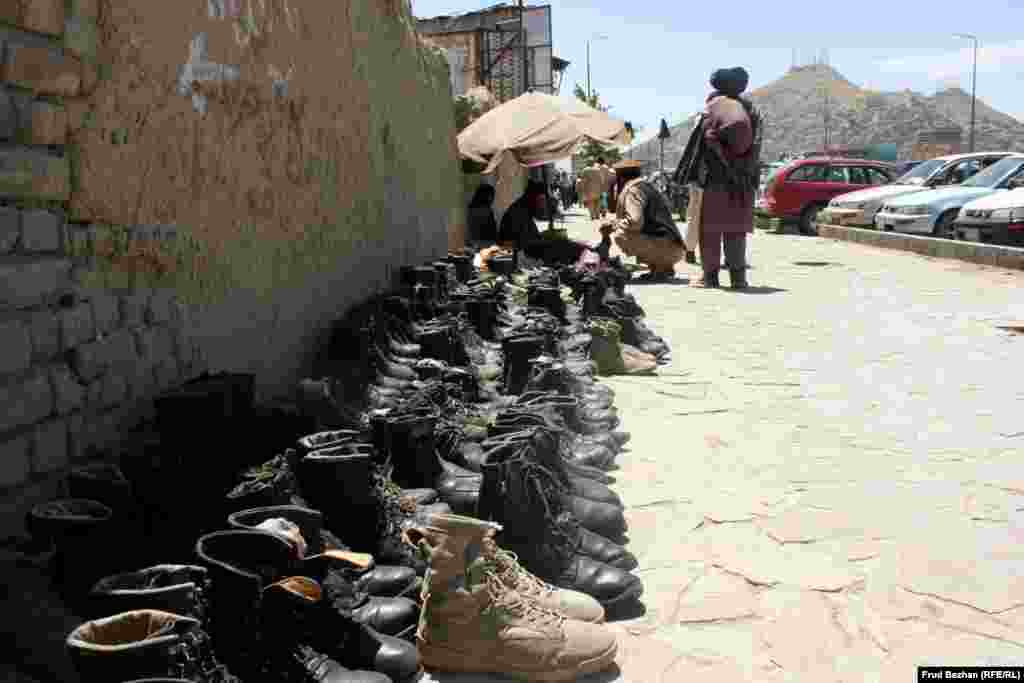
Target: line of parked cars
x,y
976,197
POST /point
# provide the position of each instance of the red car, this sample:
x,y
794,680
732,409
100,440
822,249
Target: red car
x,y
802,188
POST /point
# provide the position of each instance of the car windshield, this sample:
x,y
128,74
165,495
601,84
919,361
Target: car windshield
x,y
994,173
920,173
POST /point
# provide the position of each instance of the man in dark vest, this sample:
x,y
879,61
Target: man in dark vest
x,y
643,223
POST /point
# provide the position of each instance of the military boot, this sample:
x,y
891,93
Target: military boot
x,y
473,622
177,588
302,611
145,644
526,499
377,580
519,352
83,534
612,356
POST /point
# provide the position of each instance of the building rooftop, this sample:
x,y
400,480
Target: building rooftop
x,y
469,21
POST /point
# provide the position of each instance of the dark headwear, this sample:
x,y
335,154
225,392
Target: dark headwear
x,y
484,196
730,82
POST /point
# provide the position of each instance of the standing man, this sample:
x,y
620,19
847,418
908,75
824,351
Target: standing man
x,y
644,223
726,167
595,180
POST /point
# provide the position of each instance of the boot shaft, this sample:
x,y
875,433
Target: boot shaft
x,y
178,589
338,483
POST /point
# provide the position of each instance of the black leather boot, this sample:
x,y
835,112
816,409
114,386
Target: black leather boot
x,y
376,580
522,496
301,608
519,352
177,588
83,534
738,278
146,644
241,564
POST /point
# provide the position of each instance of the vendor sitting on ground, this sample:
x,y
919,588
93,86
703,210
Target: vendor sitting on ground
x,y
519,230
643,223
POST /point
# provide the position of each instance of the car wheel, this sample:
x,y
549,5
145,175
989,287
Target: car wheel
x,y
944,225
808,226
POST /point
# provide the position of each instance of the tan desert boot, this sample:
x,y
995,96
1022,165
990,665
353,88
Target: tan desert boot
x,y
570,604
638,362
472,622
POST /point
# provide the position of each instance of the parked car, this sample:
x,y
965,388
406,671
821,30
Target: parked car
x,y
803,187
859,208
933,212
995,219
903,167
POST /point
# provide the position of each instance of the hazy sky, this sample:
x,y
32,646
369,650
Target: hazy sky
x,y
658,55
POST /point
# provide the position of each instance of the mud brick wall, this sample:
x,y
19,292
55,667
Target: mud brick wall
x,y
202,184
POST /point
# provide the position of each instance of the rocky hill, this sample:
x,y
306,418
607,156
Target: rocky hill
x,y
794,108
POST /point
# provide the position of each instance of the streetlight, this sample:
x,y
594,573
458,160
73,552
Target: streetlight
x,y
974,80
598,36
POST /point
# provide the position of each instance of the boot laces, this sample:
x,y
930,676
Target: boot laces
x,y
512,602
507,566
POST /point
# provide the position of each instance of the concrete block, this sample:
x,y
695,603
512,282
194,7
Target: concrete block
x,y
114,390
33,173
44,328
155,343
42,16
43,70
158,310
15,346
25,401
40,230
10,229
105,312
46,124
68,392
50,446
133,308
26,282
76,326
15,460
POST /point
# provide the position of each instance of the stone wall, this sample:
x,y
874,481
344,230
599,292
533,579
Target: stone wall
x,y
204,184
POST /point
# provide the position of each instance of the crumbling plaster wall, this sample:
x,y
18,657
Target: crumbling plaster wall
x,y
199,184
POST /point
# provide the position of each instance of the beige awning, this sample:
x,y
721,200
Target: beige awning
x,y
536,129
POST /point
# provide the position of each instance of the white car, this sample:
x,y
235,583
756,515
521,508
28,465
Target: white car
x,y
934,211
860,207
996,219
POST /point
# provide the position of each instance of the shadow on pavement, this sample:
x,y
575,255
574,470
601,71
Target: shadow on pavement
x,y
756,290
674,282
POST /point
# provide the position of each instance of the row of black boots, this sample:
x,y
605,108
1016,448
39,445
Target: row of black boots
x,y
461,393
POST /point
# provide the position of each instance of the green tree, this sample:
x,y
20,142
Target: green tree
x,y
591,150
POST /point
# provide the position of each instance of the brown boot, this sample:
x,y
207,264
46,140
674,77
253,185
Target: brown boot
x,y
638,362
472,622
570,604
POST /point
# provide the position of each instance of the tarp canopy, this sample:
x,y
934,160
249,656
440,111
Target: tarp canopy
x,y
536,129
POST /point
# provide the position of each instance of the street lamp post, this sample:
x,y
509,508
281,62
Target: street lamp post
x,y
974,80
590,92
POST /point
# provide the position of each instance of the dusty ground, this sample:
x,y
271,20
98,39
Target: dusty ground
x,y
827,483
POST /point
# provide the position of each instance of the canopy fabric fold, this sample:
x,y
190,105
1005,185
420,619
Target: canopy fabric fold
x,y
536,129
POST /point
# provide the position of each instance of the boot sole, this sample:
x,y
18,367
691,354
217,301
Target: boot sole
x,y
632,593
590,666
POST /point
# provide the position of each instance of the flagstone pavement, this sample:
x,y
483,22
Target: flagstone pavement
x,y
827,482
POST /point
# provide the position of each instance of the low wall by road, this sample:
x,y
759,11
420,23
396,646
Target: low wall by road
x,y
973,252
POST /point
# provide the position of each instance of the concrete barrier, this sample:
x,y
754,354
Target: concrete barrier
x,y
973,252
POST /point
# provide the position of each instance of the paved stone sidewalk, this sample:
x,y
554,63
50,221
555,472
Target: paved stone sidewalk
x,y
827,483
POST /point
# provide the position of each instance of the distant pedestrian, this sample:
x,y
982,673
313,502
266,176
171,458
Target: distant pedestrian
x,y
725,165
595,181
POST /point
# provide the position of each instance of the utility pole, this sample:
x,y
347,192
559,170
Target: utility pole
x,y
590,93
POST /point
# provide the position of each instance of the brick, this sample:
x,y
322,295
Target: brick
x,y
40,230
114,389
44,328
43,16
32,173
25,401
76,325
27,282
45,124
155,343
158,310
105,312
50,446
68,392
10,229
15,462
166,374
15,346
43,70
133,308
